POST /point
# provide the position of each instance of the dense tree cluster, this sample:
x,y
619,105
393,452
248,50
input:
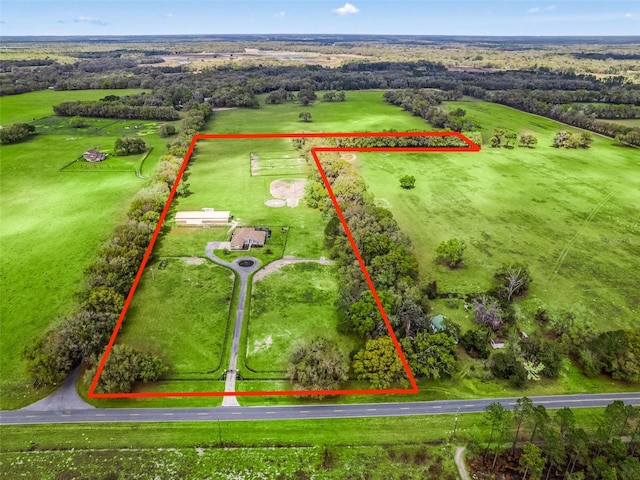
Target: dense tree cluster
x,y
615,353
556,444
124,367
83,336
16,132
129,146
566,139
403,141
424,104
115,109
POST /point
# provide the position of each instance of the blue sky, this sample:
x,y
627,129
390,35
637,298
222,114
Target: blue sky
x,y
413,17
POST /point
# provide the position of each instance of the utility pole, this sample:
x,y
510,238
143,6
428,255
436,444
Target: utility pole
x,y
219,432
455,425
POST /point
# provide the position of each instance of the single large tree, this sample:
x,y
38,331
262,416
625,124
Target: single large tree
x,y
451,252
318,365
494,414
379,363
305,116
513,279
531,462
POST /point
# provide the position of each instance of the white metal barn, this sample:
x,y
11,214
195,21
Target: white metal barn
x,y
203,217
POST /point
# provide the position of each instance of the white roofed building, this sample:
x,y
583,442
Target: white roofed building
x,y
203,217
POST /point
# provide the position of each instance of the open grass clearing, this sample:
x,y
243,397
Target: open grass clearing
x,y
362,111
25,107
53,224
180,312
292,304
569,214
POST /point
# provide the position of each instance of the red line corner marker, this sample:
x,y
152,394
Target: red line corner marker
x,y
472,147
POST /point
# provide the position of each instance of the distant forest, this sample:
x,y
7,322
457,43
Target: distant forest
x,y
549,91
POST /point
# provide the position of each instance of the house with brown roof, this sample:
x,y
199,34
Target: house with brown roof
x,y
94,156
245,238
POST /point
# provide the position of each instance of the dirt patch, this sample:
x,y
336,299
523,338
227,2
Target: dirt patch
x,y
349,157
291,190
192,260
275,203
259,345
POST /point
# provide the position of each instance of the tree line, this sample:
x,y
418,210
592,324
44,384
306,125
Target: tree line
x,y
81,337
115,109
540,443
386,252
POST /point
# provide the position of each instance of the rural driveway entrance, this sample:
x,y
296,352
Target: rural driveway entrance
x,y
243,266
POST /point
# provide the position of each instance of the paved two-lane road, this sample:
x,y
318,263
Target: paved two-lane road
x,y
301,412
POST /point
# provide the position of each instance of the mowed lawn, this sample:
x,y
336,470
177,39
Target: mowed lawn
x,y
290,305
180,313
571,215
52,225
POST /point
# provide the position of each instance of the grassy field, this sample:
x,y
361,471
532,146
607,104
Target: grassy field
x,y
571,215
377,462
362,111
188,309
54,219
289,305
26,107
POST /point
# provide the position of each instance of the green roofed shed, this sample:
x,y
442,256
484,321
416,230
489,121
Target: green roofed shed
x,y
437,323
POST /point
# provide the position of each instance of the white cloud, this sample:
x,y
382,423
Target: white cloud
x,y
628,15
348,9
94,21
168,15
550,8
280,14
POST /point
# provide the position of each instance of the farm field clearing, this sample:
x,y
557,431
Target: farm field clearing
x,y
187,330
299,300
571,215
53,222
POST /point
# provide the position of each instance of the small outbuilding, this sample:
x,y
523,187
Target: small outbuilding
x,y
246,238
437,323
94,156
203,218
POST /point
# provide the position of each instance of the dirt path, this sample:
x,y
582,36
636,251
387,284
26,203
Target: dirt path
x,y
278,264
462,468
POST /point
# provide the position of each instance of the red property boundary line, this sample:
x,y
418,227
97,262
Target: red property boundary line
x,y
472,147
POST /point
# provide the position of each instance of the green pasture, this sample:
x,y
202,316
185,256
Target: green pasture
x,y
627,122
180,313
290,305
571,215
53,221
361,112
26,107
